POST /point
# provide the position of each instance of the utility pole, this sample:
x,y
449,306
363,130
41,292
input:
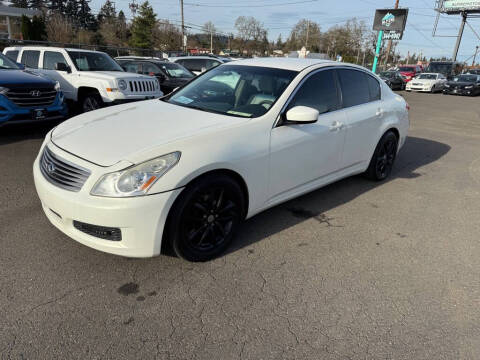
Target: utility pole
x,y
184,47
475,56
389,46
211,41
460,34
308,31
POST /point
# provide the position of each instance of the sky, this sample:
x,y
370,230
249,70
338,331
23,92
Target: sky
x,y
279,17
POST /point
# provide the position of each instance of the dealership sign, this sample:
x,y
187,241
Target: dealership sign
x,y
390,20
456,6
392,35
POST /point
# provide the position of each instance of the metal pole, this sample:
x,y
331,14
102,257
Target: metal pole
x,y
377,52
475,56
308,30
183,27
460,34
211,41
389,46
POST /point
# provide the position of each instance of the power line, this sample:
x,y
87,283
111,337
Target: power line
x,y
249,6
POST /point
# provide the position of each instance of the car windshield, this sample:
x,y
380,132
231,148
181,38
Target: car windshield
x,y
387,74
7,64
428,76
465,78
241,91
175,70
93,61
406,69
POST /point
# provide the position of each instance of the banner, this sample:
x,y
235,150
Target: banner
x,y
390,20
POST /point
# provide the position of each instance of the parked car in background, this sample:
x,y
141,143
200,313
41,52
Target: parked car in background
x,y
427,82
463,84
447,68
409,71
194,164
92,79
473,71
26,96
393,79
170,75
197,64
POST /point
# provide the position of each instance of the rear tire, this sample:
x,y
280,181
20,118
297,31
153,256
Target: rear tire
x,y
205,218
383,158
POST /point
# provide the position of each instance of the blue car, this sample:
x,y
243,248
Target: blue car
x,y
26,96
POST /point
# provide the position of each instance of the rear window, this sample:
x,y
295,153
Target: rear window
x,y
30,58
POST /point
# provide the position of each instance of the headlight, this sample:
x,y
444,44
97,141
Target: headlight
x,y
469,87
136,180
57,85
122,85
3,90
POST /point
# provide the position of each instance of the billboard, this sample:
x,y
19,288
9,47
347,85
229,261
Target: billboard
x,y
457,6
390,20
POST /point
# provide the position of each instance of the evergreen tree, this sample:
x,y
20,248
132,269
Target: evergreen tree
x,y
85,18
57,6
142,27
71,10
279,42
36,4
107,12
19,3
38,28
26,27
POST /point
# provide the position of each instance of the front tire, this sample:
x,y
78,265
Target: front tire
x,y
383,158
205,218
91,101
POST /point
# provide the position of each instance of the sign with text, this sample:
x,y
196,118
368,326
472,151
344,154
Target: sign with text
x,y
392,35
390,20
457,6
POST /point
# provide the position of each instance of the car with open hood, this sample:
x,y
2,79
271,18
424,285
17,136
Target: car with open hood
x,y
186,170
464,84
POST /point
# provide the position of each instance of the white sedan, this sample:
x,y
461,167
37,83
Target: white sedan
x,y
187,169
427,82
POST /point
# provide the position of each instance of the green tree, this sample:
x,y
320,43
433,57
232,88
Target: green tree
x,y
26,27
38,29
36,4
143,26
57,6
19,3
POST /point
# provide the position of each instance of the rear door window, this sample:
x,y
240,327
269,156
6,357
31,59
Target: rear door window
x,y
355,87
12,55
30,58
374,88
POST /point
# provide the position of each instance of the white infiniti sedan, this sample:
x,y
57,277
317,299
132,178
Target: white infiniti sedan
x,y
188,168
427,82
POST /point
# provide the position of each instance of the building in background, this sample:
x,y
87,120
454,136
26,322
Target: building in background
x,y
11,21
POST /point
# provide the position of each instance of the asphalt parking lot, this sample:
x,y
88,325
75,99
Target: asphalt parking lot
x,y
357,270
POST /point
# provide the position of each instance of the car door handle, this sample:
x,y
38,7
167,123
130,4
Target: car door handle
x,y
336,125
379,113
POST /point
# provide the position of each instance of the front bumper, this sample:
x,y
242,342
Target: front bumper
x,y
11,113
117,97
458,91
140,219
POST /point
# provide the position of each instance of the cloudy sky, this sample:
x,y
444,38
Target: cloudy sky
x,y
279,16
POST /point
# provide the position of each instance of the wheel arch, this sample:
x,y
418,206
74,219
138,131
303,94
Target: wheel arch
x,y
83,90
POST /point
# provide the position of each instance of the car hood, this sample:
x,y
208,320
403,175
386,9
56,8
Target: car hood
x,y
111,75
23,78
110,135
407,73
460,83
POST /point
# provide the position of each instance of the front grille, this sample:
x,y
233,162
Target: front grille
x,y
141,86
62,173
102,232
32,97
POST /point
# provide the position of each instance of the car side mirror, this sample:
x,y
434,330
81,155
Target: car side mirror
x,y
21,66
63,67
302,115
161,77
203,69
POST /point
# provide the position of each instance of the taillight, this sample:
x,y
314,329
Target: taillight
x,y
407,106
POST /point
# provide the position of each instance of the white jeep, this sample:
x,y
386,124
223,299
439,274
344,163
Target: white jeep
x,y
90,78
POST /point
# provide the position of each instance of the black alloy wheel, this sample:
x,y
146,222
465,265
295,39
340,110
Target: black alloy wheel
x,y
205,218
91,102
383,158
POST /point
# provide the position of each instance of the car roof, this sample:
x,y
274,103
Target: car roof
x,y
195,57
36,47
294,64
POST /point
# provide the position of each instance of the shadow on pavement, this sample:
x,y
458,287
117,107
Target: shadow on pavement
x,y
416,153
11,133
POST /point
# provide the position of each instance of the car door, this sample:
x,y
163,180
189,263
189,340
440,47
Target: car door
x,y
49,66
361,99
30,58
302,154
